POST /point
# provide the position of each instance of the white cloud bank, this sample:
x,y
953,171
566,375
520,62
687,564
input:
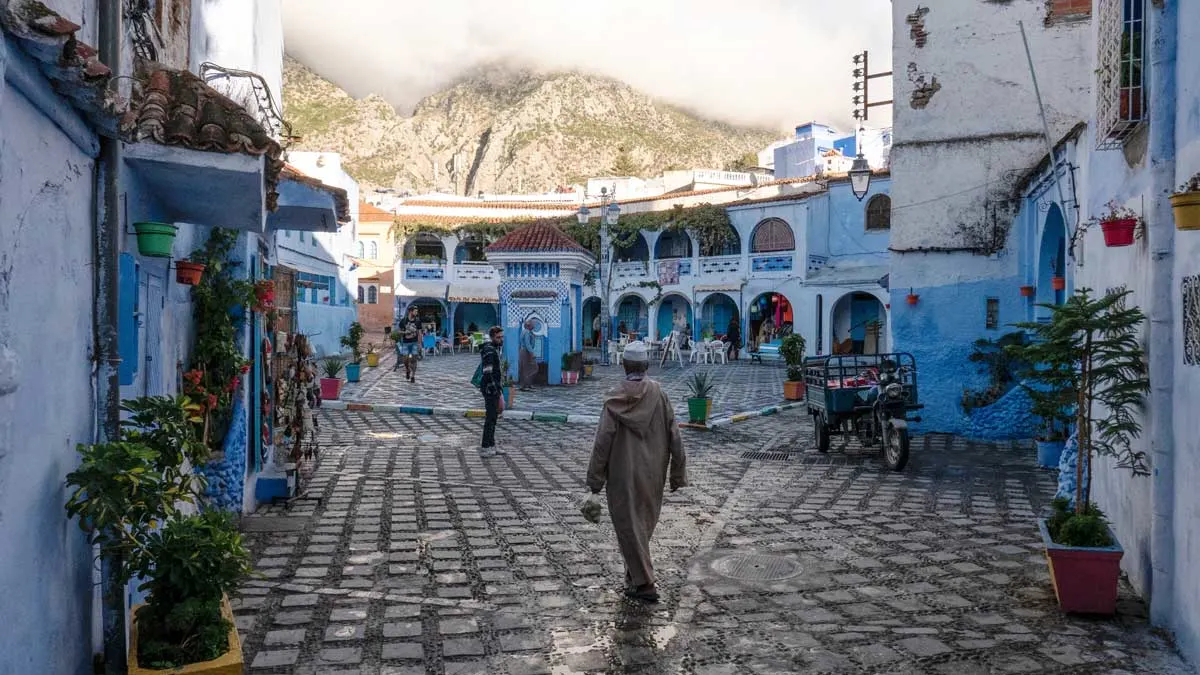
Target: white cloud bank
x,y
773,63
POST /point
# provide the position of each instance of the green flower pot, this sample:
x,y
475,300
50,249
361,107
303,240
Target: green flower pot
x,y
698,409
155,239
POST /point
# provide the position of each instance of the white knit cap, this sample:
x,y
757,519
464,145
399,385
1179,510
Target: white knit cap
x,y
635,351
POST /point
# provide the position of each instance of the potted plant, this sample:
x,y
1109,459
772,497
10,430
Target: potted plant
x,y
331,384
186,625
700,388
1185,204
1058,283
589,365
189,272
508,387
155,240
1118,224
570,376
352,341
1028,291
372,355
1093,344
792,351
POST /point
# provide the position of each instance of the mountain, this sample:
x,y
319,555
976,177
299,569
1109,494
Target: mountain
x,y
499,130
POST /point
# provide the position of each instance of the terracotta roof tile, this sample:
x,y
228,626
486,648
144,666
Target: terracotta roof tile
x,y
537,238
340,198
480,204
368,212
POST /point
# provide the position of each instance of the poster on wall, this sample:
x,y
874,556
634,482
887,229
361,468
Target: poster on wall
x,y
668,272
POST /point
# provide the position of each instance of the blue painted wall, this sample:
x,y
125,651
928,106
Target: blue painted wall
x,y
483,316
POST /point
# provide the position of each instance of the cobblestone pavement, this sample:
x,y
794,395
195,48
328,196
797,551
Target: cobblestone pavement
x,y
445,381
410,554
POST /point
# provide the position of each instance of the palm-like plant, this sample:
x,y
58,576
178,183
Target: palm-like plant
x,y
1089,356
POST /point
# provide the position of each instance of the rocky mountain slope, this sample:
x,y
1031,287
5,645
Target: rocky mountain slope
x,y
503,131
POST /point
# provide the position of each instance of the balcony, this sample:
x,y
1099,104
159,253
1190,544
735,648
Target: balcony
x,y
762,264
722,264
474,271
425,270
631,269
250,90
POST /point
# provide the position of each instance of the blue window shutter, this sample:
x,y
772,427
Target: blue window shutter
x,y
127,323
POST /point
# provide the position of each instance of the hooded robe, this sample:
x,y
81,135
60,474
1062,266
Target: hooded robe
x,y
637,445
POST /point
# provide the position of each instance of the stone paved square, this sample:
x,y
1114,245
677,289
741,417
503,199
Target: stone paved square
x,y
801,563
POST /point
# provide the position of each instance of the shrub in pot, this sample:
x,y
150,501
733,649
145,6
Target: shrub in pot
x,y
331,384
792,351
572,364
1091,349
193,563
700,388
1185,205
352,340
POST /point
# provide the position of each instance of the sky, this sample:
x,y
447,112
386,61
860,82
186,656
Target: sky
x,y
766,63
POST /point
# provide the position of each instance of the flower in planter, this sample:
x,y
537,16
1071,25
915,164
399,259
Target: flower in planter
x,y
1117,211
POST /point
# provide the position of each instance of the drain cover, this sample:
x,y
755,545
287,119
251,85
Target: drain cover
x,y
754,567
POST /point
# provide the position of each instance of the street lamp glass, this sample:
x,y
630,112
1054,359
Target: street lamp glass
x,y
860,177
612,214
584,214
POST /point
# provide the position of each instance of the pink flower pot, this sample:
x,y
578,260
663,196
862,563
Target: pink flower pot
x,y
1118,232
1085,579
330,388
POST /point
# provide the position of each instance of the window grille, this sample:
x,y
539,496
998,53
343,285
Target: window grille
x,y
772,235
362,295
992,318
1121,92
361,249
879,213
372,250
1191,320
372,295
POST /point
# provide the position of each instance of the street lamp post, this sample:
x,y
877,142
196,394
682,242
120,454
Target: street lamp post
x,y
610,213
860,177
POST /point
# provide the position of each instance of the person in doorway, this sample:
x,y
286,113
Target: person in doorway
x,y
733,339
527,366
636,451
491,385
472,328
621,329
596,331
411,335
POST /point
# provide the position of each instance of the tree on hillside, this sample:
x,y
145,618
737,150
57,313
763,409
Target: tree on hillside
x,y
625,164
746,162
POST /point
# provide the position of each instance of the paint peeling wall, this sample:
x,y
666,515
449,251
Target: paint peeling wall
x,y
46,403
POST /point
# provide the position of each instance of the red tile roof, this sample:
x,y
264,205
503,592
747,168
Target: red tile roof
x,y
537,238
369,213
481,204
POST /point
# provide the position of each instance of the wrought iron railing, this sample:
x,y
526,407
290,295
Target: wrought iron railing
x,y
254,94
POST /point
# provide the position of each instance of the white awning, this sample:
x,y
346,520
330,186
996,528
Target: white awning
x,y
713,288
483,294
421,289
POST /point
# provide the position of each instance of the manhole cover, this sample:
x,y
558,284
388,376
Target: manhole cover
x,y
753,567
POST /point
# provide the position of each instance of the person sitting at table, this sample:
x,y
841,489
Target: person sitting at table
x,y
621,329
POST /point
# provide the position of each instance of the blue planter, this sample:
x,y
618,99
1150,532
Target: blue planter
x,y
1049,453
352,372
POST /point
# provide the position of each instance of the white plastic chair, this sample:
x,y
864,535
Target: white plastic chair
x,y
716,350
475,341
699,352
615,352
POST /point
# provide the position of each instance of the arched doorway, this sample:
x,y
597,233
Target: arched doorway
x,y
470,249
859,324
770,318
636,251
1052,260
432,314
474,317
716,312
424,247
591,327
674,313
673,244
732,245
633,314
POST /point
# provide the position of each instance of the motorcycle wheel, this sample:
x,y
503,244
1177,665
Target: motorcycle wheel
x,y
895,448
821,432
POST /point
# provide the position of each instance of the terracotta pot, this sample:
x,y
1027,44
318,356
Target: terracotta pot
x,y
1085,579
1058,283
330,388
1027,291
912,298
1186,206
188,273
1118,233
793,390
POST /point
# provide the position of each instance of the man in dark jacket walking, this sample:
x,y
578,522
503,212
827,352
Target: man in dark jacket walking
x,y
490,386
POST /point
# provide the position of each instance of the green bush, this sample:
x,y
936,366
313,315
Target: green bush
x,y
792,351
196,559
1088,529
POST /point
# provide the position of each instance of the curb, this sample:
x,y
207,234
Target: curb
x,y
461,412
535,416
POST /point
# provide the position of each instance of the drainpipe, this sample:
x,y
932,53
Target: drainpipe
x,y
107,239
1161,237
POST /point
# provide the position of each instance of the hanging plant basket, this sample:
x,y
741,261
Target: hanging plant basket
x,y
188,273
155,239
1186,206
1028,291
1058,283
1118,232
